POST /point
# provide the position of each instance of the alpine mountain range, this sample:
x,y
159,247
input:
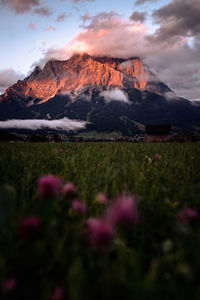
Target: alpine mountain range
x,y
111,94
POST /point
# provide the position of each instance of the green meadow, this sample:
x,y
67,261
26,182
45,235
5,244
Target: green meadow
x,y
159,257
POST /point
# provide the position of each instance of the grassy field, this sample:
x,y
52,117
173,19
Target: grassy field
x,y
159,257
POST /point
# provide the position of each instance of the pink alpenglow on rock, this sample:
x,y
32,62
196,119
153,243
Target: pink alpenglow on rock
x,y
123,211
101,198
79,207
187,214
58,294
157,156
49,186
9,285
30,228
100,232
69,191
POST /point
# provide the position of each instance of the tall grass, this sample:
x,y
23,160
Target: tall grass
x,y
158,258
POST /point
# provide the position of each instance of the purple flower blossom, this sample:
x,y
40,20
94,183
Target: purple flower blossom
x,y
49,186
30,227
69,191
101,198
157,156
123,211
100,232
9,284
187,214
58,294
79,207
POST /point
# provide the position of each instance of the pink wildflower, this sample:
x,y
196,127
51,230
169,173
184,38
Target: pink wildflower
x,y
157,156
123,211
187,214
9,284
101,198
100,232
69,191
49,186
61,150
58,294
79,207
30,227
98,165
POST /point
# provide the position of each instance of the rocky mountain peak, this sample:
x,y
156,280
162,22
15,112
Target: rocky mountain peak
x,y
83,70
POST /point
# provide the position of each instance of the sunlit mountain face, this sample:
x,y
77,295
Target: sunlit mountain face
x,y
109,93
80,71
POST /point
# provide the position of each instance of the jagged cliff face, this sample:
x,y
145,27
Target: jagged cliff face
x,y
79,71
81,88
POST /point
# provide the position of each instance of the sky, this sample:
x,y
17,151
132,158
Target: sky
x,y
165,34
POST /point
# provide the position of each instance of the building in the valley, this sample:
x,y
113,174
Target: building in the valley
x,y
157,133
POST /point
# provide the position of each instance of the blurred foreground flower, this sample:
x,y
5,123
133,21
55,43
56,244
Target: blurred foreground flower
x,y
30,227
69,191
9,285
49,186
123,211
101,198
58,294
100,232
79,207
167,246
187,214
157,156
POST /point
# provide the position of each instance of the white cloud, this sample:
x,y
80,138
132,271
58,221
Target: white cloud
x,y
175,62
115,95
8,77
63,124
107,34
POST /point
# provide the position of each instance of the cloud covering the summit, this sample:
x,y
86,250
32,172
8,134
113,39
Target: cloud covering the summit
x,y
164,33
107,33
172,50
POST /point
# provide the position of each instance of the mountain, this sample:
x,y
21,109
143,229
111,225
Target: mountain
x,y
112,94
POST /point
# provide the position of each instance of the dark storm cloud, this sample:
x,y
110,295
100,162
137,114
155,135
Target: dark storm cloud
x,y
177,39
179,18
20,6
103,20
179,68
23,6
138,16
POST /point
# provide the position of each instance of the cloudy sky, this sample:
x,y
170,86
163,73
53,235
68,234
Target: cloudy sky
x,y
164,33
